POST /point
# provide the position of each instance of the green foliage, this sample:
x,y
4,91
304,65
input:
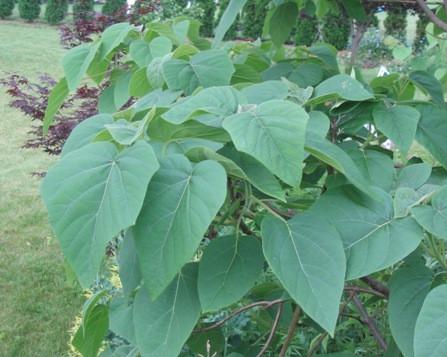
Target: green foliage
x,y
336,30
6,7
306,30
420,39
82,9
114,8
396,22
253,18
29,9
55,11
277,192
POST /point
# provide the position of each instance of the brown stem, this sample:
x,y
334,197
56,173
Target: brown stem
x,y
272,331
262,304
376,285
369,321
245,229
431,15
291,332
359,289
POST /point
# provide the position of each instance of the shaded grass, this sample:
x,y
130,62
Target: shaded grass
x,y
37,304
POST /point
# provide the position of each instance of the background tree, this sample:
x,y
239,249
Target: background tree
x,y
6,7
254,15
420,40
29,9
306,29
336,30
82,9
207,19
114,8
55,11
396,22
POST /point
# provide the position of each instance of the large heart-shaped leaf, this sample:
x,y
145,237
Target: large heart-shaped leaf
x,y
428,83
434,218
199,71
216,102
163,325
373,238
143,52
228,269
113,36
282,22
331,154
92,194
408,288
432,131
85,132
341,86
306,254
273,133
430,337
129,267
398,123
76,63
181,201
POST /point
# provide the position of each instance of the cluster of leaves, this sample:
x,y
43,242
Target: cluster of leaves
x,y
32,100
6,8
253,18
244,176
115,9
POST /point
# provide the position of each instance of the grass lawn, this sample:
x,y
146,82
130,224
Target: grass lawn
x,y
37,304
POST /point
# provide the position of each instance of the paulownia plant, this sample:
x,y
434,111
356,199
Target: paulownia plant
x,y
221,178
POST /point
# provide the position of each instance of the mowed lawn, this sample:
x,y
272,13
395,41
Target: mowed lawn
x,y
37,303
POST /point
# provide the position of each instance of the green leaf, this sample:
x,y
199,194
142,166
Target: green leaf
x,y
273,133
198,342
306,254
139,84
121,89
408,288
318,123
129,268
113,36
282,22
85,132
245,73
340,86
92,194
398,123
143,52
154,71
239,165
262,92
430,338
77,61
181,201
216,102
107,101
429,84
228,270
375,166
55,101
163,325
307,74
127,133
156,98
199,71
404,199
432,131
227,19
413,176
373,238
121,319
434,218
331,154
255,172
89,339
